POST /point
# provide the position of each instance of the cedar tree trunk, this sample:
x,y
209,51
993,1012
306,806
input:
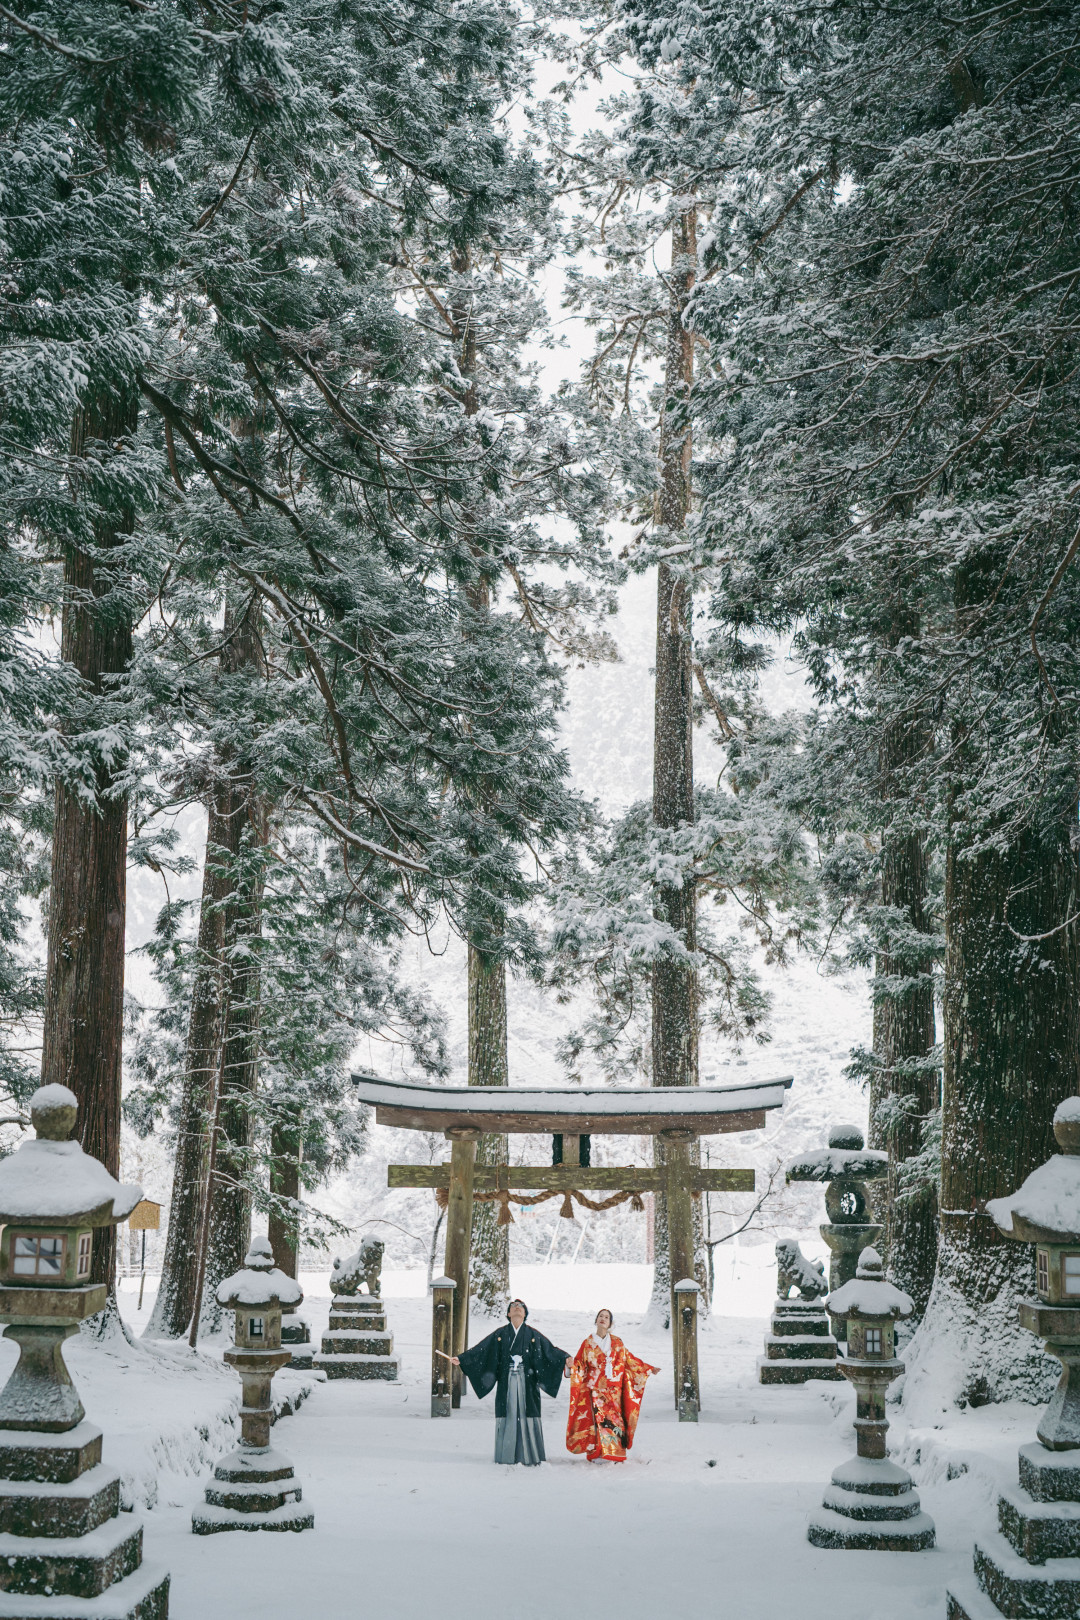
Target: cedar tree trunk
x,y
674,987
82,1041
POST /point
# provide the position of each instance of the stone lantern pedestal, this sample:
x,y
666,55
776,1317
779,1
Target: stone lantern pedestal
x,y
1031,1567
254,1487
65,1548
871,1503
845,1167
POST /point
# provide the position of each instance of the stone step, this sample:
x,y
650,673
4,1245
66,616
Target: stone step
x,y
254,1498
300,1360
361,1304
58,1458
1039,1530
1024,1591
143,1595
358,1366
357,1344
341,1322
796,1372
78,1566
872,1476
829,1529
248,1466
806,1348
1050,1476
72,1508
965,1600
798,1327
209,1520
862,1506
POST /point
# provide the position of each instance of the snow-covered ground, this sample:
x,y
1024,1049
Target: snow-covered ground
x,y
413,1519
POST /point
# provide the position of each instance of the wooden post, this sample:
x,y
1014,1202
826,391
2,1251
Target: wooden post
x,y
459,1237
684,1345
442,1340
680,1215
571,1149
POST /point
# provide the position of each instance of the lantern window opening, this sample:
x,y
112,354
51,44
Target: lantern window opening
x,y
1070,1275
38,1256
255,1327
873,1341
85,1254
1042,1269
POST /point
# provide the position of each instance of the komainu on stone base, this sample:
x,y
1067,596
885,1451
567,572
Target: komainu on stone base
x,y
800,1344
356,1344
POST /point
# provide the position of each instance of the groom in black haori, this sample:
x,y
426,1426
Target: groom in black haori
x,y
517,1363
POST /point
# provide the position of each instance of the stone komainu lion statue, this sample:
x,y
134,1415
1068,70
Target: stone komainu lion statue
x,y
362,1267
794,1270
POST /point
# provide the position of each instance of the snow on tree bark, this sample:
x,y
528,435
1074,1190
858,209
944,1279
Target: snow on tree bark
x,y
490,1265
674,1002
82,1038
904,1025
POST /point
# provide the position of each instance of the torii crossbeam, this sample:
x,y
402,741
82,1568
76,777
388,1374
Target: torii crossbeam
x,y
677,1115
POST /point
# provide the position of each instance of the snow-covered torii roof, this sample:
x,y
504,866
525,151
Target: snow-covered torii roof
x,y
572,1110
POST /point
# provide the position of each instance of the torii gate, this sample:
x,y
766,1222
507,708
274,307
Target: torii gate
x,y
464,1113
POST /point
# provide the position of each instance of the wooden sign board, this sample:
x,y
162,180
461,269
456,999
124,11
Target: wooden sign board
x,y
145,1217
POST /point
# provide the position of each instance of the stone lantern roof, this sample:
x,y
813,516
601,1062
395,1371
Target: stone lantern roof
x,y
260,1284
845,1156
49,1180
869,1295
1046,1209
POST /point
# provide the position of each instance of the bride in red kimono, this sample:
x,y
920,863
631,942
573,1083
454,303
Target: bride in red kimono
x,y
606,1386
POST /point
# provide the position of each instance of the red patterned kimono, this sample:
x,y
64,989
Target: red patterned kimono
x,y
605,1398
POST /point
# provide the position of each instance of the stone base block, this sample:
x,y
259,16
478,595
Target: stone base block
x,y
872,1476
1039,1530
254,1498
1023,1591
300,1360
799,1327
829,1529
210,1520
83,1566
358,1366
57,1458
864,1507
1050,1476
796,1372
73,1508
141,1596
803,1347
965,1600
357,1344
249,1466
356,1322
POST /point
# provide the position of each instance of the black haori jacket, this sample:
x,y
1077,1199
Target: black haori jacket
x,y
487,1364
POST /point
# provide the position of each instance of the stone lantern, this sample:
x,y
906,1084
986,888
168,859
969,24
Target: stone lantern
x,y
254,1486
1032,1566
845,1167
63,1543
871,1503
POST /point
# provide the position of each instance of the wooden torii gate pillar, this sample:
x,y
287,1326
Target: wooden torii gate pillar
x,y
678,1116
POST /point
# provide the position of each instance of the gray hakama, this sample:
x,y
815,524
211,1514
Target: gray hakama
x,y
518,1439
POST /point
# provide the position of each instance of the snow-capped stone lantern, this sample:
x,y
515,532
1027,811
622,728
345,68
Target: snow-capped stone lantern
x,y
65,1545
871,1503
1033,1565
254,1487
845,1167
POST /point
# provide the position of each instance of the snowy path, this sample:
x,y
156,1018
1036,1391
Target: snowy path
x,y
412,1518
